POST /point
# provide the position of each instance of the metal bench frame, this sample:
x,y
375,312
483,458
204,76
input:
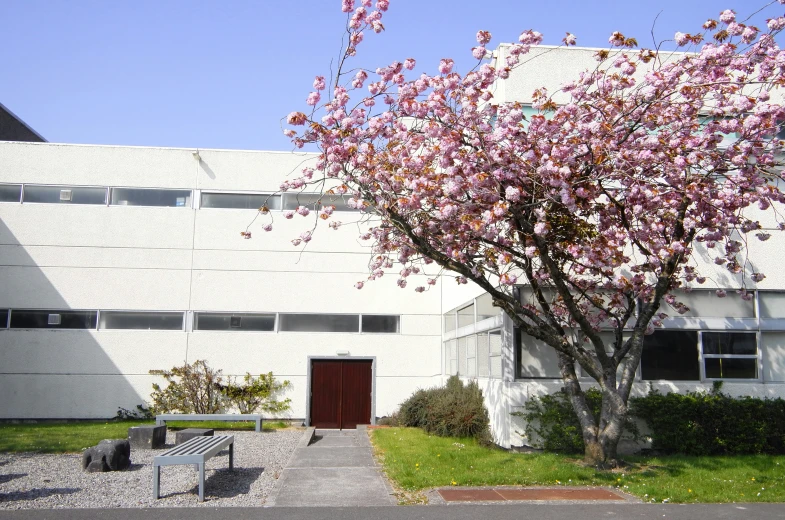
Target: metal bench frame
x,y
162,418
195,451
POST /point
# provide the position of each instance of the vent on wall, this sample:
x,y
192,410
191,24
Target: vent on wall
x,y
65,195
236,322
54,319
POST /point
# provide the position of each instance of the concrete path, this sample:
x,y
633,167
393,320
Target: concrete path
x,y
335,469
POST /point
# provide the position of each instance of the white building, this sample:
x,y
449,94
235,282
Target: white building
x,y
118,260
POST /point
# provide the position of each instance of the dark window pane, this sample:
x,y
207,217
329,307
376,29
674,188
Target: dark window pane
x,y
142,320
38,319
3,318
65,195
10,192
240,200
319,322
150,197
741,343
731,368
237,321
672,355
315,201
380,323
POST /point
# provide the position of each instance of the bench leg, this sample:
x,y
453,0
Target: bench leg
x,y
258,425
201,482
156,482
231,456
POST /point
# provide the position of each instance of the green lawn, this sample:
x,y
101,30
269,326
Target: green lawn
x,y
75,437
415,461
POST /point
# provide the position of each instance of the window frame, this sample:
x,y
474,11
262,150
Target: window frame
x,y
202,193
155,312
757,356
194,321
63,187
110,191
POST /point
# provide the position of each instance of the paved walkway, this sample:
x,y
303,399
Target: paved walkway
x,y
335,469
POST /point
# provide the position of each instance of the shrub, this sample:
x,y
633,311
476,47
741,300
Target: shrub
x,y
142,413
551,423
256,393
193,388
455,410
712,423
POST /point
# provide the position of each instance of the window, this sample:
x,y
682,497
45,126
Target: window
x,y
462,356
319,322
3,318
54,319
141,320
536,360
730,355
485,308
234,321
772,304
471,356
150,197
315,201
495,348
466,316
451,355
707,304
449,322
240,200
64,194
671,355
482,354
10,192
380,324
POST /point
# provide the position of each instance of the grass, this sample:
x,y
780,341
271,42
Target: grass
x,y
75,437
416,461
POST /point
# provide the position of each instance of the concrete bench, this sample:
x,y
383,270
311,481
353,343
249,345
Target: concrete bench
x,y
196,451
162,418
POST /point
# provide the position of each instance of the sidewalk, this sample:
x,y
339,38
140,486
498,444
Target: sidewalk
x,y
335,469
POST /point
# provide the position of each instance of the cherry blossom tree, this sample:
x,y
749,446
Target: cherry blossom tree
x,y
596,204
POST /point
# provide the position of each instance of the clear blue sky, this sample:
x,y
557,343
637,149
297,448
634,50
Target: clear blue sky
x,y
222,74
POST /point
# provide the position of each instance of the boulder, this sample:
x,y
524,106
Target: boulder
x,y
108,455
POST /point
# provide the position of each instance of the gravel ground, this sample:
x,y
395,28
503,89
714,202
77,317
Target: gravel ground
x,y
32,481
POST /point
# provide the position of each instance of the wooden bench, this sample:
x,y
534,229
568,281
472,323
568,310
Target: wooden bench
x,y
196,451
162,418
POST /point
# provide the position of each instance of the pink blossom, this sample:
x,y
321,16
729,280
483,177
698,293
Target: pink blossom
x,y
483,37
347,6
727,16
288,214
296,118
268,227
302,210
289,132
382,5
479,52
313,99
541,228
445,65
721,293
319,83
570,39
681,38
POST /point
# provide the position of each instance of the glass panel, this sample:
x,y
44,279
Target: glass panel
x,y
449,322
46,319
150,197
485,308
496,367
731,368
707,304
772,304
388,324
536,359
10,192
672,355
482,355
240,200
3,318
471,356
141,320
315,201
319,322
466,316
65,195
495,339
453,357
236,321
739,343
462,356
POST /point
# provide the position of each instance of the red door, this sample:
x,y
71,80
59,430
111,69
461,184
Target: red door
x,y
340,393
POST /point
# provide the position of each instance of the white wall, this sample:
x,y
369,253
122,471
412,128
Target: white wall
x,y
62,256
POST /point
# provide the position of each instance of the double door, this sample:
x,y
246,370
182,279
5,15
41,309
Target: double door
x,y
341,393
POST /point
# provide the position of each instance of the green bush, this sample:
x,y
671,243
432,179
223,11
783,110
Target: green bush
x,y
256,393
193,388
455,410
712,423
551,423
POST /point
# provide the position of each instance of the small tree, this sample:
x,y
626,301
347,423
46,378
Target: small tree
x,y
194,388
257,393
597,204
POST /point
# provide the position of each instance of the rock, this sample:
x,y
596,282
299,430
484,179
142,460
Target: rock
x,y
189,433
108,455
147,437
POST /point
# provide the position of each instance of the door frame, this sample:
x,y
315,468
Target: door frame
x,y
311,359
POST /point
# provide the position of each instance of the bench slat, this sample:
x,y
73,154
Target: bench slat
x,y
194,446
